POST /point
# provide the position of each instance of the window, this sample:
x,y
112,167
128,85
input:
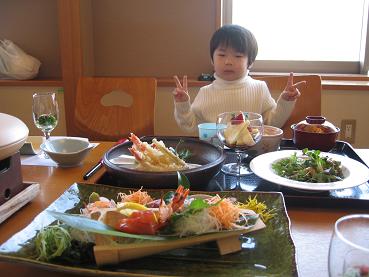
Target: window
x,y
324,36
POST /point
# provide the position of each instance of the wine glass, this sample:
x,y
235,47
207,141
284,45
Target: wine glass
x,y
45,112
239,131
349,247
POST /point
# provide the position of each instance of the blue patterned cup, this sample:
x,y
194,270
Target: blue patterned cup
x,y
208,132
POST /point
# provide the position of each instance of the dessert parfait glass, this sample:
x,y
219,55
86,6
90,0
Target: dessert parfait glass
x,y
239,131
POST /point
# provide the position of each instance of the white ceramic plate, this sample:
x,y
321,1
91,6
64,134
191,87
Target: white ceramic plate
x,y
355,173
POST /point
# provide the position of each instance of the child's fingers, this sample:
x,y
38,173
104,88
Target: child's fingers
x,y
185,82
179,92
178,82
290,80
297,93
299,84
180,95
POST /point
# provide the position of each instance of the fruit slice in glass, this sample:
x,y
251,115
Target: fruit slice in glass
x,y
243,130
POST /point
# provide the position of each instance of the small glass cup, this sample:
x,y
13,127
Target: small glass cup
x,y
208,132
45,112
349,247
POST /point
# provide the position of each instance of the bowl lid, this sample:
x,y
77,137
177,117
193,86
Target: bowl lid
x,y
315,124
12,129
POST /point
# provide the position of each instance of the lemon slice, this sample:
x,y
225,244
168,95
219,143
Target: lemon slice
x,y
127,212
131,205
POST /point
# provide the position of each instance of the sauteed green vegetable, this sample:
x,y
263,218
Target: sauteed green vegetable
x,y
310,167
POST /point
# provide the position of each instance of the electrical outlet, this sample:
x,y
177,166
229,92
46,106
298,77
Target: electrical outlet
x,y
348,130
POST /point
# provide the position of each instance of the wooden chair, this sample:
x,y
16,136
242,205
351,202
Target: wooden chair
x,y
309,103
109,108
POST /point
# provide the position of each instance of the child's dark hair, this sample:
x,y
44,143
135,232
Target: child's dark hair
x,y
237,37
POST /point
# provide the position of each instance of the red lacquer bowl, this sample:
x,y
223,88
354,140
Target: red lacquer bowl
x,y
315,133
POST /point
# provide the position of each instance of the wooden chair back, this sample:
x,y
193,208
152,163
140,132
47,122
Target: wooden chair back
x,y
109,108
309,103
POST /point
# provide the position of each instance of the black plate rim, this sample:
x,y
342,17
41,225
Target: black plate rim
x,y
111,166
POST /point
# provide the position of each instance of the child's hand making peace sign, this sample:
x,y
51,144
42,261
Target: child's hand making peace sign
x,y
181,93
291,91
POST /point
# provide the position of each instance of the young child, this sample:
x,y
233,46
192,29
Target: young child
x,y
233,50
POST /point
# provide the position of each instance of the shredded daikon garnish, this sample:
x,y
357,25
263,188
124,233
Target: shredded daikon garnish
x,y
225,211
139,196
198,223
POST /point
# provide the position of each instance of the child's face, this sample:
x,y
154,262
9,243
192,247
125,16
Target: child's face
x,y
229,64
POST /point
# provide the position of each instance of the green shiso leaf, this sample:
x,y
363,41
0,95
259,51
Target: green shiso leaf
x,y
183,154
183,180
89,225
168,197
198,204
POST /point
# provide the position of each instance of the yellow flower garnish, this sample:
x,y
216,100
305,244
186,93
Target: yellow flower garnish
x,y
258,207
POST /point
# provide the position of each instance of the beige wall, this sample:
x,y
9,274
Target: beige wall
x,y
17,101
147,38
336,105
119,37
33,25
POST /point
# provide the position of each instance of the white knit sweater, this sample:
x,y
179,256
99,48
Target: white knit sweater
x,y
245,94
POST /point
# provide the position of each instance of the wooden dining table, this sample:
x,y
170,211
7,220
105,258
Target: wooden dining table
x,y
311,227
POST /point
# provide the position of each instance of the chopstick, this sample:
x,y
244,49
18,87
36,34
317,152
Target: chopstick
x,y
93,170
99,165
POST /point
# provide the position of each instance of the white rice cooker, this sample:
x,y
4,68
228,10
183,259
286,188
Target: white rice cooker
x,y
13,134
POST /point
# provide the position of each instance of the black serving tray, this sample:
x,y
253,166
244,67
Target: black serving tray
x,y
353,198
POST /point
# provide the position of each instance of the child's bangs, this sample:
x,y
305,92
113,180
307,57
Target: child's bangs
x,y
235,42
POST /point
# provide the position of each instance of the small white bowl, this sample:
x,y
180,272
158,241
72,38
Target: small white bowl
x,y
68,151
270,141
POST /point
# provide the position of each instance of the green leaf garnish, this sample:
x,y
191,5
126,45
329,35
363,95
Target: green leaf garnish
x,y
51,242
183,154
94,196
46,120
183,180
168,197
198,204
89,225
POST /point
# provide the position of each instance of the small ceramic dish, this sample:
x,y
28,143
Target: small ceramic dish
x,y
68,151
270,141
